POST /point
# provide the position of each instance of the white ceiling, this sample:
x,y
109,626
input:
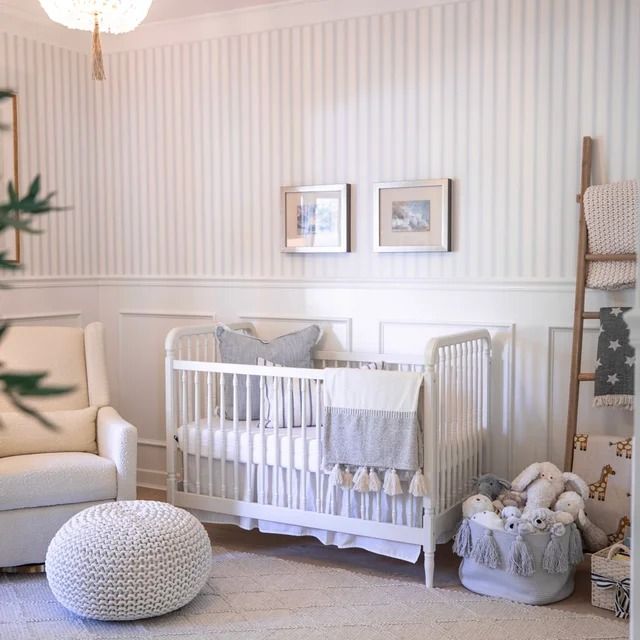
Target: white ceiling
x,y
161,10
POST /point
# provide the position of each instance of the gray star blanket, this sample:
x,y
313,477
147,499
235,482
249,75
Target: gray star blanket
x,y
616,361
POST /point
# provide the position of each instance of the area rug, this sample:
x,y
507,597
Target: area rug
x,y
252,596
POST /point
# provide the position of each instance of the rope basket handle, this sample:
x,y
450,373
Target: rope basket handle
x,y
615,547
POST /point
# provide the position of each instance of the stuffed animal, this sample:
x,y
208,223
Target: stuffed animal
x,y
570,508
510,498
567,507
542,519
488,519
543,482
510,512
518,526
490,485
476,503
511,524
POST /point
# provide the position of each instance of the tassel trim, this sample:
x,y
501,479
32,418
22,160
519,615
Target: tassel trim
x,y
462,542
392,486
361,480
555,558
486,551
622,401
374,480
96,51
418,485
335,477
347,479
520,560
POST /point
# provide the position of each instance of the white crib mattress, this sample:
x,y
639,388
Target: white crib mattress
x,y
249,444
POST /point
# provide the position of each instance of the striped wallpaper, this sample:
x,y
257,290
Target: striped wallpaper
x,y
173,166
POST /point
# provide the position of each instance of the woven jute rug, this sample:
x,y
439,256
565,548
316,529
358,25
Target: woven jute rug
x,y
288,595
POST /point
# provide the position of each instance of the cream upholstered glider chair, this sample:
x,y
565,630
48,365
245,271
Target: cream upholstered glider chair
x,y
47,476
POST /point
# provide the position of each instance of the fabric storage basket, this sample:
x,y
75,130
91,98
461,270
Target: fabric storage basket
x,y
539,588
611,581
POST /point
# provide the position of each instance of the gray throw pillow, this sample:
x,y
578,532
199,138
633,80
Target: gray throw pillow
x,y
291,350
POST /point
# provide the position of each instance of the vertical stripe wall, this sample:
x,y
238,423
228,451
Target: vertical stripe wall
x,y
174,164
55,141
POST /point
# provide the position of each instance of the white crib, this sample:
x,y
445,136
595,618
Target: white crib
x,y
224,469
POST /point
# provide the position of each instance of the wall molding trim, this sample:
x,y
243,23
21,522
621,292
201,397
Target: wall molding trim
x,y
347,322
540,285
17,317
151,479
152,442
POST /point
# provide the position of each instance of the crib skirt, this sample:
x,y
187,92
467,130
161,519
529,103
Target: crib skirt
x,y
258,486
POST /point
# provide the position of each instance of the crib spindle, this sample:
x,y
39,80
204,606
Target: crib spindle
x,y
275,425
210,428
196,419
185,426
249,460
290,467
223,440
319,471
304,385
236,443
263,444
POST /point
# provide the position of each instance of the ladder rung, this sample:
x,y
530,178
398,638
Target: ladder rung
x,y
586,377
610,257
591,315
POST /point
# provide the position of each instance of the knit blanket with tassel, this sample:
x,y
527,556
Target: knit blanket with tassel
x,y
371,419
616,361
611,214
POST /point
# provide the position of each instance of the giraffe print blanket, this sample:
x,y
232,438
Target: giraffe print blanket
x,y
615,362
604,461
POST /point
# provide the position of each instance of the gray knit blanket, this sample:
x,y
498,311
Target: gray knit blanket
x,y
371,419
616,361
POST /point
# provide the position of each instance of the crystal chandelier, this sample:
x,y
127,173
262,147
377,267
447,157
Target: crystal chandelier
x,y
109,16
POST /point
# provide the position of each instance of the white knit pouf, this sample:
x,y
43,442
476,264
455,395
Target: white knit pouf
x,y
128,560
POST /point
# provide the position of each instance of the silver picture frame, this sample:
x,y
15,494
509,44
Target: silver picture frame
x,y
316,230
418,221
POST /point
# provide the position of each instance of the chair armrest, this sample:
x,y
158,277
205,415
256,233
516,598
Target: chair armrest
x,y
118,441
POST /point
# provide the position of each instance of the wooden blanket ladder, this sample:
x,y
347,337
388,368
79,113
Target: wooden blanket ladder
x,y
579,313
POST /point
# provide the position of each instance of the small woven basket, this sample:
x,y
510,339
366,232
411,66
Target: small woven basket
x,y
615,571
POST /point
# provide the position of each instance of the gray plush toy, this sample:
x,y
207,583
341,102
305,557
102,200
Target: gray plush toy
x,y
490,485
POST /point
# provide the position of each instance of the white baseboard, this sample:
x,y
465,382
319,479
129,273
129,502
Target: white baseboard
x,y
152,479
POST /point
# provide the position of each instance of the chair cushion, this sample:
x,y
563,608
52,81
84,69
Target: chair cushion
x,y
21,434
46,479
56,350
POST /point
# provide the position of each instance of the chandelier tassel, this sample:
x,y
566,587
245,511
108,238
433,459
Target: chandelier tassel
x,y
98,66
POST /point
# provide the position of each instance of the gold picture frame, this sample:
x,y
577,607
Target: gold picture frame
x,y
9,170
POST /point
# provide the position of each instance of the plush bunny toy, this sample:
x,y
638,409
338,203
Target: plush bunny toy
x,y
570,508
543,482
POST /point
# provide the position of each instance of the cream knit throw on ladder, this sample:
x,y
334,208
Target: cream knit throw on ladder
x,y
610,211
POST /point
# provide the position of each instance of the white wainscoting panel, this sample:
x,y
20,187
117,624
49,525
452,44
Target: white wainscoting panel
x,y
405,336
141,337
54,319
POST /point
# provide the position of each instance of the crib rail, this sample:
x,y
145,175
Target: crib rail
x,y
245,440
